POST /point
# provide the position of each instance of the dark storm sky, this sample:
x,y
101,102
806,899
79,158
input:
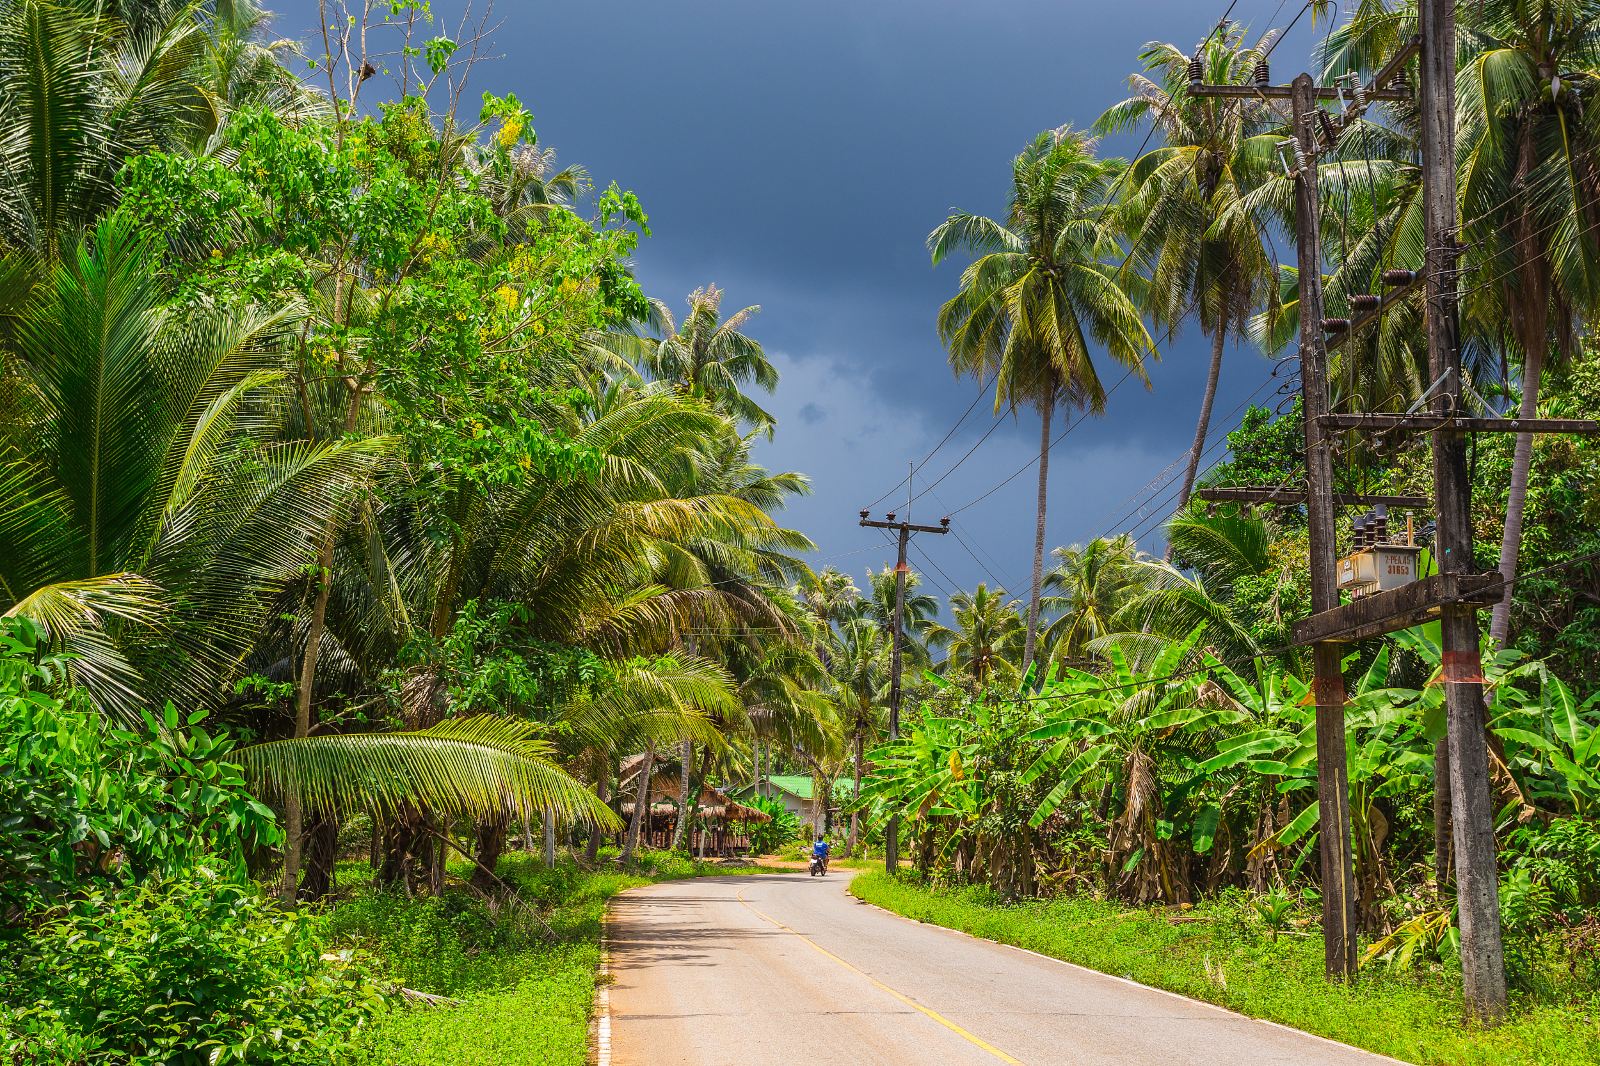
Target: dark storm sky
x,y
797,156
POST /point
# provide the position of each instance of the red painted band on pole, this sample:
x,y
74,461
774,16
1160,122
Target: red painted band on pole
x,y
1461,668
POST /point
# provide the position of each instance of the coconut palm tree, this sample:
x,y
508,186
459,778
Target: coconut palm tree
x,y
1530,192
706,355
858,665
921,609
1039,298
986,642
1196,256
1087,588
834,598
141,492
1167,605
85,88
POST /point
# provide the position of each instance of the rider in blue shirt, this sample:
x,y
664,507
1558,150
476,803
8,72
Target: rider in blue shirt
x,y
819,850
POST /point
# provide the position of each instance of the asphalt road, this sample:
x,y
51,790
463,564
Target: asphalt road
x,y
786,969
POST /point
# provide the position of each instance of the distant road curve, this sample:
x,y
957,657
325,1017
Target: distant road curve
x,y
787,969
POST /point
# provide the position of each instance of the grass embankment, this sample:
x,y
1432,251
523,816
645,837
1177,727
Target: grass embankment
x,y
521,996
1219,952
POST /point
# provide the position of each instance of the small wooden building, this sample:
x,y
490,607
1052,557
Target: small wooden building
x,y
721,825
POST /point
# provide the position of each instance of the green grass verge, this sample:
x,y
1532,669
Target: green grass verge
x,y
523,999
1222,955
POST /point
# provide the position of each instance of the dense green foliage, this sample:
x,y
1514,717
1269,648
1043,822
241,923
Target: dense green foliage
x,y
92,806
190,969
349,479
131,934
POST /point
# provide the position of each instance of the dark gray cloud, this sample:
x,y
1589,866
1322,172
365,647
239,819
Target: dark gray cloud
x,y
798,155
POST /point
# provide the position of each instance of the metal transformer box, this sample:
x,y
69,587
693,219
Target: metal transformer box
x,y
1379,568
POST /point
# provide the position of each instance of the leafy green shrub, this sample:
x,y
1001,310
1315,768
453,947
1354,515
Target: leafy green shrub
x,y
184,970
441,944
84,803
784,827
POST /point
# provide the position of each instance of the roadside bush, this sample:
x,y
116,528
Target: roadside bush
x,y
442,944
183,970
784,828
86,804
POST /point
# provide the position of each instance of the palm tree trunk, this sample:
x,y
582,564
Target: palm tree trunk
x,y
321,851
549,839
1032,638
1517,495
492,833
294,817
685,805
1204,425
591,851
855,812
641,801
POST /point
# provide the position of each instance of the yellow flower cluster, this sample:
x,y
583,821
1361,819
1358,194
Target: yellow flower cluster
x,y
509,133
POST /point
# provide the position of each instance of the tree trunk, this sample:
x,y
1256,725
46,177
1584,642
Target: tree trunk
x,y
641,803
819,802
592,849
293,816
549,840
855,812
1204,425
1517,495
321,844
686,803
407,849
492,834
1032,638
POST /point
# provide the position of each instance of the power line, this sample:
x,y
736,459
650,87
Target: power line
x,y
984,387
1272,652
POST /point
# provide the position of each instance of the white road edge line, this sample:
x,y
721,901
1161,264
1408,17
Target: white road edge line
x,y
602,993
1131,983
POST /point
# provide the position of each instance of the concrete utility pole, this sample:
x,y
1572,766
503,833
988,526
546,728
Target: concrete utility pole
x,y
891,836
1333,783
1471,812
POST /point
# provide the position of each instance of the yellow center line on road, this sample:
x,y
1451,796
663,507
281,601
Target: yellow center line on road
x,y
907,1000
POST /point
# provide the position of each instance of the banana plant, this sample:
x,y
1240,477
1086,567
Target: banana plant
x,y
1386,754
1558,752
932,776
1135,732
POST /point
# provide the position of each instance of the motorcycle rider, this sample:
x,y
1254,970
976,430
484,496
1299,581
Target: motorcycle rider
x,y
819,852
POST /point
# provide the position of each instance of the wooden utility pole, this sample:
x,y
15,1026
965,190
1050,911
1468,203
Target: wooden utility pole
x,y
1471,813
891,836
1333,782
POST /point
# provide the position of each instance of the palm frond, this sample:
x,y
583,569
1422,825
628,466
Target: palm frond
x,y
471,767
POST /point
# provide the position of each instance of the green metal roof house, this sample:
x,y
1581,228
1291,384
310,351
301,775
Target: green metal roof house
x,y
796,793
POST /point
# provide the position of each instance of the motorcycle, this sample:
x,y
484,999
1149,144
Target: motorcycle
x,y
819,866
